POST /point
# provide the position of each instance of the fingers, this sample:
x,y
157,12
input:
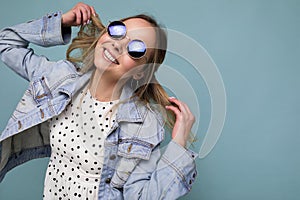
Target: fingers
x,y
175,110
83,13
87,11
188,112
181,109
183,123
93,10
180,105
77,16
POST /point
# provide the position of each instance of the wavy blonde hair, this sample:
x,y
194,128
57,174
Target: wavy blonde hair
x,y
81,53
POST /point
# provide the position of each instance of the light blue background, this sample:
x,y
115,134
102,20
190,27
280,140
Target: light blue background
x,y
256,46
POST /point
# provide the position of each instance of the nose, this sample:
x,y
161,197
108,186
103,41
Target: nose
x,y
117,47
120,45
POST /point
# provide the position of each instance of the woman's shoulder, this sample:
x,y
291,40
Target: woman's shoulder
x,y
62,75
56,69
152,111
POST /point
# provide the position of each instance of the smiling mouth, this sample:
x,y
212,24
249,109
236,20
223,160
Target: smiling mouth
x,y
110,57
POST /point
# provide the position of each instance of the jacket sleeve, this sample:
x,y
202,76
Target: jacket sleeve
x,y
169,176
14,42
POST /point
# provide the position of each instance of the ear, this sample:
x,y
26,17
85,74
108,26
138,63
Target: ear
x,y
138,75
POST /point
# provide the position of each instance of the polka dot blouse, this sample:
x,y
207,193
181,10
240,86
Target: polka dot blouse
x,y
76,138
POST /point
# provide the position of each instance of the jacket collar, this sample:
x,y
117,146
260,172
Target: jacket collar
x,y
129,109
71,88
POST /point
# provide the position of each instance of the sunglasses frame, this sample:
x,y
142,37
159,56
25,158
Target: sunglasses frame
x,y
125,36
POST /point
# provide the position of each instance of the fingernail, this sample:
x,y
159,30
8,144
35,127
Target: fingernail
x,y
171,97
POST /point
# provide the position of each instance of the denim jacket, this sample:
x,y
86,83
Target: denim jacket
x,y
135,167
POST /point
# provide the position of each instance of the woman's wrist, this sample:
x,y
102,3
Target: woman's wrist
x,y
180,142
63,24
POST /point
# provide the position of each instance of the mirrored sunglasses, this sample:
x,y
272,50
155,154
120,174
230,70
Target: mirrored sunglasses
x,y
135,48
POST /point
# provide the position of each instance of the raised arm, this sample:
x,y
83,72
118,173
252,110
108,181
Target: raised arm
x,y
52,29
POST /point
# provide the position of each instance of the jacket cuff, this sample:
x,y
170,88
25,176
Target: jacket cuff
x,y
53,32
182,161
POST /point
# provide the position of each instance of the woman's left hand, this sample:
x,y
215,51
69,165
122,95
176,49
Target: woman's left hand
x,y
184,121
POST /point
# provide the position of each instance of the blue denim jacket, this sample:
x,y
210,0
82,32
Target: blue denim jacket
x,y
135,167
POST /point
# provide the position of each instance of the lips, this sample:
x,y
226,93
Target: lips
x,y
108,56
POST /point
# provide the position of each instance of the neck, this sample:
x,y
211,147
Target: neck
x,y
104,88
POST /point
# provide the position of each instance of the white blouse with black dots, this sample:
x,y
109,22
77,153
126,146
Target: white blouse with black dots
x,y
76,139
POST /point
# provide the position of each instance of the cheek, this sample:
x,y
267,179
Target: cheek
x,y
128,62
100,41
98,46
103,38
129,65
97,53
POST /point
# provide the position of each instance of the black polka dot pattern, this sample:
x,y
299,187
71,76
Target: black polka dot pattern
x,y
76,138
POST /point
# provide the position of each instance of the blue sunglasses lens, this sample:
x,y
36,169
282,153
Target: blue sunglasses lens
x,y
136,48
116,30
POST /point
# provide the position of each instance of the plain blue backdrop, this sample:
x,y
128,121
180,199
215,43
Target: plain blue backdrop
x,y
256,46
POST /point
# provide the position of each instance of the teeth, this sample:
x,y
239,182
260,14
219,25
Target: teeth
x,y
109,56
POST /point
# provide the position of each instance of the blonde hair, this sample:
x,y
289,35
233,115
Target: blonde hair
x,y
81,53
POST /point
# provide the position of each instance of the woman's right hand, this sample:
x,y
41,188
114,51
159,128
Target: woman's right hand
x,y
80,14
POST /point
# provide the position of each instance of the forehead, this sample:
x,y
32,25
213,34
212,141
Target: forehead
x,y
141,29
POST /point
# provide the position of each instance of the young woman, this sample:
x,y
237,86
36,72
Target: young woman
x,y
100,114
